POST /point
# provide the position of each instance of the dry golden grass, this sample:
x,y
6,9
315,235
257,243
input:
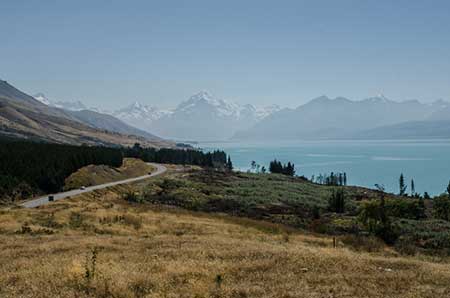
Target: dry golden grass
x,y
96,245
99,174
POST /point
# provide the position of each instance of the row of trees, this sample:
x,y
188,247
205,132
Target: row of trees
x,y
215,159
44,167
277,167
332,179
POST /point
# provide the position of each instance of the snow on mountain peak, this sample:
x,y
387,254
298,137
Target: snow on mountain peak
x,y
75,105
138,110
378,99
41,97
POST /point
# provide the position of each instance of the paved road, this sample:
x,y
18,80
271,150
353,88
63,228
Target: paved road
x,y
44,200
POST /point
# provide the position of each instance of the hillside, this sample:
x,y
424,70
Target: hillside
x,y
98,245
24,117
432,129
110,123
99,174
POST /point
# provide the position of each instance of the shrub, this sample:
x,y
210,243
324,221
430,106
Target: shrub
x,y
76,220
132,197
336,203
406,208
363,243
373,216
132,220
441,207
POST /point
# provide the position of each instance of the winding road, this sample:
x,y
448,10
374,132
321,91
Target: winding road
x,y
160,169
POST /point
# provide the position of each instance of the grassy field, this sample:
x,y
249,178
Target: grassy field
x,y
299,204
98,245
99,174
180,238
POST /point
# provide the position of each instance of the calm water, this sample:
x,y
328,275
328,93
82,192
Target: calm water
x,y
365,162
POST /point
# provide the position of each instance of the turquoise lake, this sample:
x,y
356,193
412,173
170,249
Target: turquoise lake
x,y
365,162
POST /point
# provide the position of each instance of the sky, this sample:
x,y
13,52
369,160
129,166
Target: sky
x,y
111,53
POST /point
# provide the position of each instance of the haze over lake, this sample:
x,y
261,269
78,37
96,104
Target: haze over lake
x,y
365,162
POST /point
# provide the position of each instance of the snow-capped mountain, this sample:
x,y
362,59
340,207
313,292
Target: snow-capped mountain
x,y
140,115
201,117
140,111
66,105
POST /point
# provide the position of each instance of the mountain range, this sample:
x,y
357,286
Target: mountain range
x,y
22,116
204,117
341,118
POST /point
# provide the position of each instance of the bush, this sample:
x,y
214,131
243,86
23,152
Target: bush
x,y
336,202
363,243
405,208
373,216
76,220
441,207
132,197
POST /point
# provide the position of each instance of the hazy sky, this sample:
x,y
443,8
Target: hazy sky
x,y
111,53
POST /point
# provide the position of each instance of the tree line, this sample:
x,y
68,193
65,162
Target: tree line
x,y
214,159
28,168
277,167
42,167
332,179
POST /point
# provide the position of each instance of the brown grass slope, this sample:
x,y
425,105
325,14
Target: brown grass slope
x,y
24,117
99,174
97,245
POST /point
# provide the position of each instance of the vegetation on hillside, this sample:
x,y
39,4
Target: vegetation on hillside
x,y
97,245
297,202
30,168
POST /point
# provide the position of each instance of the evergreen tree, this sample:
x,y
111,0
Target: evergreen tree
x,y
413,188
229,164
448,188
402,185
336,203
345,178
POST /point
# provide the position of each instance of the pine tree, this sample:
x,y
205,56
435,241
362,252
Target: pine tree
x,y
345,178
229,164
402,185
413,188
448,188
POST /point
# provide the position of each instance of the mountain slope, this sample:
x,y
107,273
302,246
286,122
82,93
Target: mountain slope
x,y
23,116
336,118
93,118
108,122
409,130
203,117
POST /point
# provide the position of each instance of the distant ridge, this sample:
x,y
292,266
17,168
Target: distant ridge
x,y
339,118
